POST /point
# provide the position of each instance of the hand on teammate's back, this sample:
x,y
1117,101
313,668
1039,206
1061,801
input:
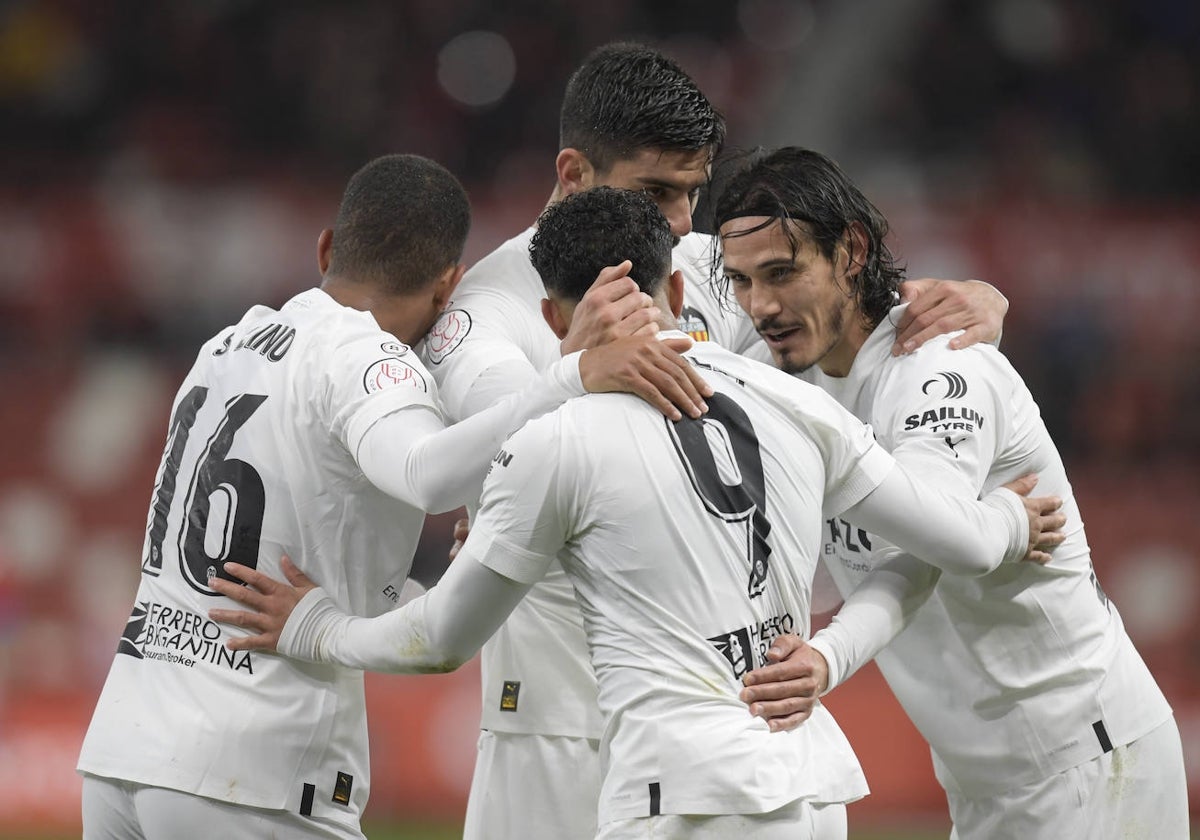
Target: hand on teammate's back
x,y
784,692
1046,520
612,308
936,307
652,369
272,601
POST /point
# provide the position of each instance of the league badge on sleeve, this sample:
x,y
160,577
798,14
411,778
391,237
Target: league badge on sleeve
x,y
392,373
449,331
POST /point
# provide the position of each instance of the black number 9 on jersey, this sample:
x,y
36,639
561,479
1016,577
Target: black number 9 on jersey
x,y
744,501
224,496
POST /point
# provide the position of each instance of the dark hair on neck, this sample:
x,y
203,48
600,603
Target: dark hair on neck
x,y
402,222
590,230
626,97
808,189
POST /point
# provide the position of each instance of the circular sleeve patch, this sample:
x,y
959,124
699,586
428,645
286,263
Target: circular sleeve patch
x,y
393,373
449,331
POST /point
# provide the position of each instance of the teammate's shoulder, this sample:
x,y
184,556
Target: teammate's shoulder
x,y
509,258
937,353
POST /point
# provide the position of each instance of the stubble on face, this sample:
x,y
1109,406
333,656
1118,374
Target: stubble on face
x,y
794,360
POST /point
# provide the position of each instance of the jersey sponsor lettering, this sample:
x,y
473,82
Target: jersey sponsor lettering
x,y
745,648
179,637
502,459
946,418
852,546
447,334
392,373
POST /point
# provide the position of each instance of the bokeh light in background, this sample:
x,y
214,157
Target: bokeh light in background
x,y
165,165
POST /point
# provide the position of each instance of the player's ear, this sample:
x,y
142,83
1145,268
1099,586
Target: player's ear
x,y
324,250
445,285
558,322
575,171
675,292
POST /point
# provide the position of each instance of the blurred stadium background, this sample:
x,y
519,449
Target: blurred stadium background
x,y
164,165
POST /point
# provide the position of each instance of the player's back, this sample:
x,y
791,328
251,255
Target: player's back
x,y
258,464
488,343
695,546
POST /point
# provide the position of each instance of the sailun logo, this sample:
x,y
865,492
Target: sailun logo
x,y
956,385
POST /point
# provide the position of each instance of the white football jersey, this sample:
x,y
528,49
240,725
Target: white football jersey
x,y
691,546
535,675
259,463
1024,672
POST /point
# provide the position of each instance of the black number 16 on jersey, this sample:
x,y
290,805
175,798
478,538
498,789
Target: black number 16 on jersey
x,y
225,498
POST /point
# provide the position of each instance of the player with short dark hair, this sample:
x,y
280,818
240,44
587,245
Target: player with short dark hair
x,y
565,249
312,429
401,221
1031,695
689,546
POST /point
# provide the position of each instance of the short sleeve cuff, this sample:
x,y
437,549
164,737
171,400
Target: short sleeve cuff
x,y
505,559
870,471
374,410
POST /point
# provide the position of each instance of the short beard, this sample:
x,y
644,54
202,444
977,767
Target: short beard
x,y
837,321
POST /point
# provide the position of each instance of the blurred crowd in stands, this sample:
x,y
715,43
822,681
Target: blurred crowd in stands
x,y
166,164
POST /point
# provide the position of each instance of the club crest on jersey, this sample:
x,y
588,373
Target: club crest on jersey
x,y
394,348
391,373
449,331
693,323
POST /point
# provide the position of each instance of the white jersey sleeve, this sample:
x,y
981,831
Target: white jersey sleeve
x,y
518,532
418,460
492,339
944,423
363,383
